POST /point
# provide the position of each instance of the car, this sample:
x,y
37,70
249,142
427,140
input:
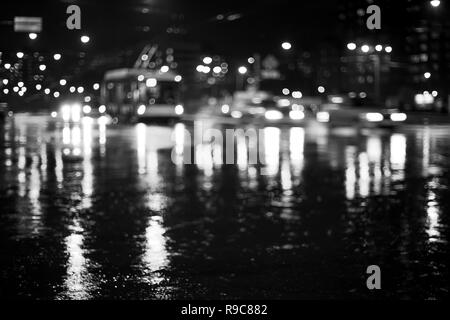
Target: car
x,y
345,115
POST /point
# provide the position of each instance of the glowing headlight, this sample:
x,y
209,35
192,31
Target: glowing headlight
x,y
398,117
374,117
273,115
323,116
141,109
179,109
296,115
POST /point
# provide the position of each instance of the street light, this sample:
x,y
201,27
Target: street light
x,y
379,47
351,46
365,48
286,45
388,49
207,60
242,70
32,35
435,3
56,56
85,39
19,55
427,75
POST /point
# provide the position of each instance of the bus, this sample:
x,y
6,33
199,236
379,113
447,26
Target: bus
x,y
139,94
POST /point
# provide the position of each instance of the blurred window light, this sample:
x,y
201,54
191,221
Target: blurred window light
x,y
47,91
42,67
20,84
427,75
217,69
434,93
7,66
285,91
178,78
379,47
321,89
16,89
56,94
19,55
141,77
32,35
388,49
96,86
164,69
80,90
251,60
5,81
72,89
57,56
62,82
38,87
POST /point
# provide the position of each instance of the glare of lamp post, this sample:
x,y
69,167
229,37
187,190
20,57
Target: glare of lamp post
x,y
351,46
286,45
435,3
242,70
207,60
365,48
85,39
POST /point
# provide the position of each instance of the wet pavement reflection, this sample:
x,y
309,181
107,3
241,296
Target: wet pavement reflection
x,y
90,210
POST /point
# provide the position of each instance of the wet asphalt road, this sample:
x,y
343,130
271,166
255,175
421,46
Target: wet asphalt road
x,y
90,211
